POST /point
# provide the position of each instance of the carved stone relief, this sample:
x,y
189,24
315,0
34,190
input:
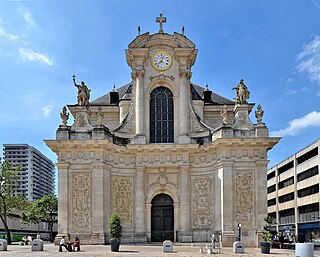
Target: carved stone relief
x,y
122,202
202,202
81,201
245,198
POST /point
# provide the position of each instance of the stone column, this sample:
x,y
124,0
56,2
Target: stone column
x,y
184,105
185,198
138,75
63,203
97,204
140,224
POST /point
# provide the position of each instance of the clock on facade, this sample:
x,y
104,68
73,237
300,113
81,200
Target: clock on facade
x,y
161,60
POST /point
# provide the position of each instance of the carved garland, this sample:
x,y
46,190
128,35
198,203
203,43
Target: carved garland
x,y
122,202
202,202
244,198
81,202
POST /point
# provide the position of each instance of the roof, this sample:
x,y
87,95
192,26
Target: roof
x,y
125,93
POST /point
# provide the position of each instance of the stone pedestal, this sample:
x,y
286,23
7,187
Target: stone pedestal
x,y
261,130
63,133
140,139
241,118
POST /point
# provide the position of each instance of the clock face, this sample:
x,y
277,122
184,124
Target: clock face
x,y
161,60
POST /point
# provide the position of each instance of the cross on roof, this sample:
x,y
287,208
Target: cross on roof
x,y
161,20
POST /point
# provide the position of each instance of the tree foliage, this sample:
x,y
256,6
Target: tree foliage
x,y
115,227
266,235
11,203
42,210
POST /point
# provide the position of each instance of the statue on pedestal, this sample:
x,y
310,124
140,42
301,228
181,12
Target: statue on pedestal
x,y
242,93
83,92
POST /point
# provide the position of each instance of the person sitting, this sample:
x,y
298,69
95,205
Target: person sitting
x,y
24,240
63,243
76,244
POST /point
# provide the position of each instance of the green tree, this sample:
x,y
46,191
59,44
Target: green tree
x,y
45,210
11,203
115,227
266,235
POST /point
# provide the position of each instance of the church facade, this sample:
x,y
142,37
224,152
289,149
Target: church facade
x,y
174,159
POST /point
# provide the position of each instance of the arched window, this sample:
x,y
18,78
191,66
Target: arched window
x,y
161,116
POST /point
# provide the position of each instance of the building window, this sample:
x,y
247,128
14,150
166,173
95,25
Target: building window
x,y
286,216
272,202
271,175
308,173
286,183
309,191
309,212
286,198
285,167
307,155
271,189
161,116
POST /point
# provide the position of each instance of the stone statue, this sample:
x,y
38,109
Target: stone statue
x,y
64,116
242,93
224,115
83,92
99,117
259,114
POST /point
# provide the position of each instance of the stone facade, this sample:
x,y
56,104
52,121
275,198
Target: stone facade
x,y
213,166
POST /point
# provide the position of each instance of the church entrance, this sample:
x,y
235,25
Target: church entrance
x,y
162,223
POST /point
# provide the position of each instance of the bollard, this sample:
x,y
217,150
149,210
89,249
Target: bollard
x,y
3,245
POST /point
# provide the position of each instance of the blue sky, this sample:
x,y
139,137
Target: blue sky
x,y
273,45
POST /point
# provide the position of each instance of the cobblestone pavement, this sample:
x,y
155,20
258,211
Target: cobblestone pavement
x,y
148,250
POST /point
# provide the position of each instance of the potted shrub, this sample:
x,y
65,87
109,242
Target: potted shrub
x,y
115,232
266,235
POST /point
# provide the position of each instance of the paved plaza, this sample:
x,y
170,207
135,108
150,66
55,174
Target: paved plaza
x,y
149,250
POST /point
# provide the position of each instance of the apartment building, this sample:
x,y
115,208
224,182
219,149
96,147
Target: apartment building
x,y
293,195
37,175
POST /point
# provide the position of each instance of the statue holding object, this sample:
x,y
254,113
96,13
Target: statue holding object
x,y
242,93
83,92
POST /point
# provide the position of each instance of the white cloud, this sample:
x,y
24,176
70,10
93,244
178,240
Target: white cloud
x,y
46,110
7,35
311,119
309,60
28,18
31,55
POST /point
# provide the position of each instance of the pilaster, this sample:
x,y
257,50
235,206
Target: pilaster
x,y
98,222
185,198
140,224
225,173
63,203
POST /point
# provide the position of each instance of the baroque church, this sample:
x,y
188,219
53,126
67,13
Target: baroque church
x,y
177,161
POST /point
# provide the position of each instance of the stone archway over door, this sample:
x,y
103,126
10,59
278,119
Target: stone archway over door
x,y
162,218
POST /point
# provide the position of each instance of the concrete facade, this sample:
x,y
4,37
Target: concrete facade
x,y
37,175
293,195
212,174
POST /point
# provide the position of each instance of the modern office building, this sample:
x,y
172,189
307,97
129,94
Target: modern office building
x,y
37,174
293,195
